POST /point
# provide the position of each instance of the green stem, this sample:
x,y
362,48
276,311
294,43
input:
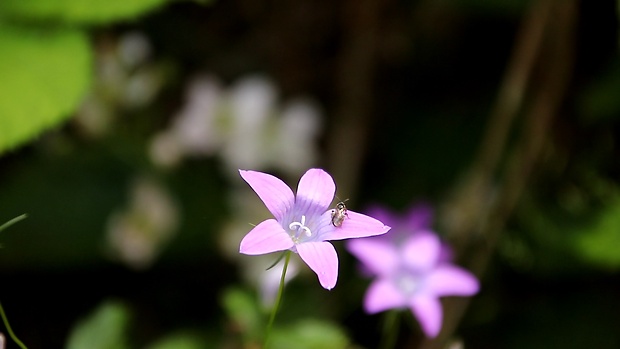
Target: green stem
x,y
12,221
278,299
8,328
390,329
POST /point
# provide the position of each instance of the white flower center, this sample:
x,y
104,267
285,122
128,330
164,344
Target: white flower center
x,y
408,284
299,228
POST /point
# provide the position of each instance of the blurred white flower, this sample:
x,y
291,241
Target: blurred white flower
x,y
133,49
244,125
194,131
165,150
456,344
252,106
93,117
137,234
252,99
141,87
196,127
298,130
125,78
269,280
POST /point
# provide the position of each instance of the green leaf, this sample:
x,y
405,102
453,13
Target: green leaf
x,y
44,75
309,334
598,244
179,341
245,313
575,229
599,101
104,329
76,11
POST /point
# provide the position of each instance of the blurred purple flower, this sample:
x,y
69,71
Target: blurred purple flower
x,y
419,217
412,270
417,220
303,223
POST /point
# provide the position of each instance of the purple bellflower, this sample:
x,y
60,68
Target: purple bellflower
x,y
303,223
412,270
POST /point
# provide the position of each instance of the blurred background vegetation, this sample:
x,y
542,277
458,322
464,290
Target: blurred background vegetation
x,y
122,125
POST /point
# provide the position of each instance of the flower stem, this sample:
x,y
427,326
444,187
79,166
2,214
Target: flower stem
x,y
390,329
274,310
12,221
8,328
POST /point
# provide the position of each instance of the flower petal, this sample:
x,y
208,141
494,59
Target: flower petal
x,y
356,225
449,280
315,190
428,311
266,237
382,295
321,257
378,255
276,195
421,251
419,216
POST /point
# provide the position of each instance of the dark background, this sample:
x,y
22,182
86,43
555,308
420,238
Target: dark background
x,y
409,91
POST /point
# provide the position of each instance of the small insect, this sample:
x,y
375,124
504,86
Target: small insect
x,y
339,214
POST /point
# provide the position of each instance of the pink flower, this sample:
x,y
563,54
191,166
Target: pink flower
x,y
411,272
303,223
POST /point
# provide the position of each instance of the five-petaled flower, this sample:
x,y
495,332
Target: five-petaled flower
x,y
303,223
411,271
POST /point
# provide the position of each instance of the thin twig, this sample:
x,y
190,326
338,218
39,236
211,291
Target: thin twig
x,y
488,223
354,83
9,329
13,221
473,198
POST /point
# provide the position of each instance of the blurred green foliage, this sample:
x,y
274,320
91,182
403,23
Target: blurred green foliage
x,y
598,243
597,104
105,328
46,65
180,341
245,314
551,239
45,73
309,334
250,321
108,327
76,11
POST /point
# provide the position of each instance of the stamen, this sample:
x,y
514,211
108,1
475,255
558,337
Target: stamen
x,y
301,226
